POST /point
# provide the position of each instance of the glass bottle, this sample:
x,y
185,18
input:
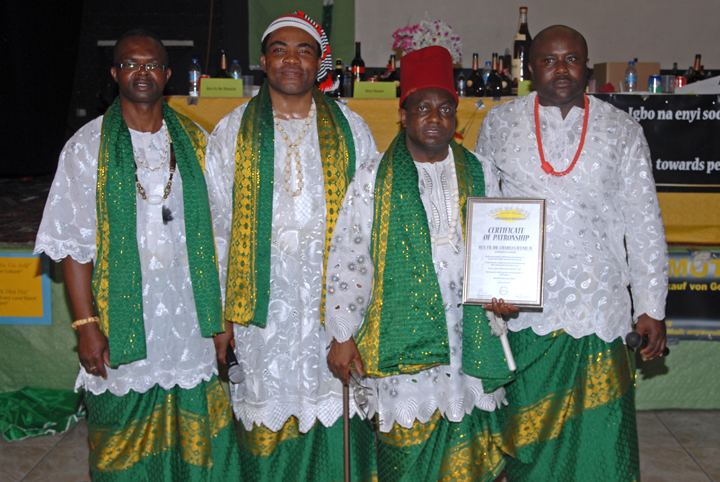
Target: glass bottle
x,y
519,70
475,85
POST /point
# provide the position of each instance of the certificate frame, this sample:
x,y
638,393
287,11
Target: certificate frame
x,y
514,272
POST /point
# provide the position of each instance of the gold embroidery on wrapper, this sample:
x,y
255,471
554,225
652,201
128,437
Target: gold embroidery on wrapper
x,y
262,441
606,378
418,434
460,462
474,457
166,427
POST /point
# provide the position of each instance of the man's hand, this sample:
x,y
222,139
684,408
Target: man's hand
x,y
341,358
93,349
655,329
222,340
501,308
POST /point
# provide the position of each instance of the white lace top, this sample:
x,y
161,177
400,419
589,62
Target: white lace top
x,y
176,352
284,364
605,204
404,398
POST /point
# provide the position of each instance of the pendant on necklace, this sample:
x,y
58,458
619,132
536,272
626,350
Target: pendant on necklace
x,y
154,199
166,215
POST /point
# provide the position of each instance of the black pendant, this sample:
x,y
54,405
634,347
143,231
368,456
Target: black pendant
x,y
167,215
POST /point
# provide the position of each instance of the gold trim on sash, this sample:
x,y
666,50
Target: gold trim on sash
x,y
368,339
102,240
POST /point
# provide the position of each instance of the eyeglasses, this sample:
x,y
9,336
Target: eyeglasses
x,y
149,67
362,395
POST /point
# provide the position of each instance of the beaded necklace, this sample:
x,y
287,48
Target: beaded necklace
x,y
292,148
153,198
546,165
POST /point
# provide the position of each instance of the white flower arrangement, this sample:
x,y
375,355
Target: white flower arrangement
x,y
428,33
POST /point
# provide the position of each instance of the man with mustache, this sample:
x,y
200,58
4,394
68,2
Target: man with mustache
x,y
128,214
277,170
395,280
571,413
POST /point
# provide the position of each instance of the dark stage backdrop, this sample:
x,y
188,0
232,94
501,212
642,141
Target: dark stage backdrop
x,y
59,78
37,56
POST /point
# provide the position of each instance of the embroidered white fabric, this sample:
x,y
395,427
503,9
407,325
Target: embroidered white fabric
x,y
608,201
284,364
404,398
177,354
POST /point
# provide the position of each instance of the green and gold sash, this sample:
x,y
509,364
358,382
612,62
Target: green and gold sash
x,y
405,330
248,277
117,275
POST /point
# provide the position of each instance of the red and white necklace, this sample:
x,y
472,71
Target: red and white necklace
x,y
543,163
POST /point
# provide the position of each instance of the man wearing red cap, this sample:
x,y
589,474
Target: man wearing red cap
x,y
394,293
277,170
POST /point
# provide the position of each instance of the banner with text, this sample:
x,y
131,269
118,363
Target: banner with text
x,y
24,289
693,296
682,132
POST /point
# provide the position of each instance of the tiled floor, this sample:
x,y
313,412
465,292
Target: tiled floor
x,y
675,445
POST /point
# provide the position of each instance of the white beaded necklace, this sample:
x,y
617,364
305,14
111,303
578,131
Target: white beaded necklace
x,y
454,215
165,155
292,148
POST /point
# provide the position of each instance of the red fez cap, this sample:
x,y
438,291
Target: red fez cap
x,y
425,68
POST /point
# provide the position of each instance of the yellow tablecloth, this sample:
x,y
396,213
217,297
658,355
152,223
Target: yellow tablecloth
x,y
690,218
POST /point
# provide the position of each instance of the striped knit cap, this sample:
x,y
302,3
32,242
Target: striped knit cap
x,y
302,21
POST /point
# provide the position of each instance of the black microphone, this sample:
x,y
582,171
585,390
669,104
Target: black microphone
x,y
634,340
235,373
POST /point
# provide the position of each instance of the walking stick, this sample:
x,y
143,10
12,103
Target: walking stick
x,y
346,429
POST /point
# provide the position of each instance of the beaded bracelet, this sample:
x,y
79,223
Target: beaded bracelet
x,y
84,321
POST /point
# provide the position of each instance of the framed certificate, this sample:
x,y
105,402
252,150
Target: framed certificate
x,y
504,250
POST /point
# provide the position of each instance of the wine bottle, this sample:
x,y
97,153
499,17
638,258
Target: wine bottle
x,y
460,85
696,74
519,70
358,65
475,85
223,73
493,86
391,75
504,77
337,80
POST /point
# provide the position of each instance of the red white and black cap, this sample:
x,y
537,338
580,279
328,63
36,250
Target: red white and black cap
x,y
303,22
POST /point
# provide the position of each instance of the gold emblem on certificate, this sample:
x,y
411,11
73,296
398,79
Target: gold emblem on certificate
x,y
504,246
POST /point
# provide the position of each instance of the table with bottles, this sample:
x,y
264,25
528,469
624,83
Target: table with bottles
x,y
382,118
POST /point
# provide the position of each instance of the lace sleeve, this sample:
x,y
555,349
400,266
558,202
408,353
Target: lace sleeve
x,y
68,224
644,230
350,267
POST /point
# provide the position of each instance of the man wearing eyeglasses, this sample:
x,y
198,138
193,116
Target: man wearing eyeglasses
x,y
394,284
128,216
